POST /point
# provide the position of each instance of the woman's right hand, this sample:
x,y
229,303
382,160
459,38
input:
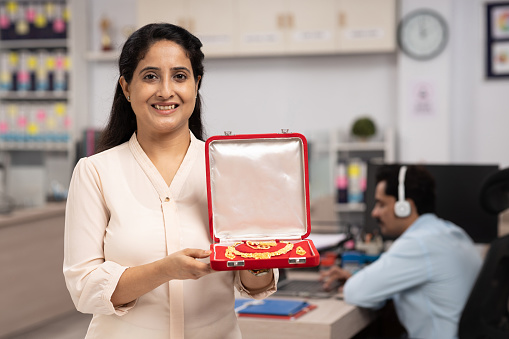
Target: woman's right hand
x,y
138,280
184,264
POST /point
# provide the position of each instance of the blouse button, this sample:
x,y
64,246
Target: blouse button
x,y
166,199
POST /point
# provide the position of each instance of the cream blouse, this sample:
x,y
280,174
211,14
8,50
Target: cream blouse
x,y
121,213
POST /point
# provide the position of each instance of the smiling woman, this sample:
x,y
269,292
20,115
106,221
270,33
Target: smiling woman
x,y
139,59
162,93
136,217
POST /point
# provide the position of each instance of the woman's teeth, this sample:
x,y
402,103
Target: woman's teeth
x,y
165,107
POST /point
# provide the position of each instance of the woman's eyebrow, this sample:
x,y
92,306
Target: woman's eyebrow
x,y
149,68
180,68
152,68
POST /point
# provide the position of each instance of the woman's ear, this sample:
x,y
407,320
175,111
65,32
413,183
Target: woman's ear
x,y
197,84
125,87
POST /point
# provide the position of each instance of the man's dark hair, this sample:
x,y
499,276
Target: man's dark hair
x,y
419,185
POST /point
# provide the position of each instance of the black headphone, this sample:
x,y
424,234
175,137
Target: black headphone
x,y
402,207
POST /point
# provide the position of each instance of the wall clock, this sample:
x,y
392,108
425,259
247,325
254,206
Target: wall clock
x,y
422,34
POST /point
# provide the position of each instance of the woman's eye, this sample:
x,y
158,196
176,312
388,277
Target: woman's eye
x,y
180,77
150,76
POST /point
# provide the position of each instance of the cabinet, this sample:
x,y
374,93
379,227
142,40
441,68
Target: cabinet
x,y
286,27
280,27
213,21
32,287
366,26
36,143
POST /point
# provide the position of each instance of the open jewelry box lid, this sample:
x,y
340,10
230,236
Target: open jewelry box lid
x,y
257,187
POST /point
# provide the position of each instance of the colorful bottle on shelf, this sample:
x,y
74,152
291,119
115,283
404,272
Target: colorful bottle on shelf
x,y
23,75
21,27
13,69
341,183
40,21
59,81
32,130
59,24
354,181
42,79
5,75
32,65
5,22
4,126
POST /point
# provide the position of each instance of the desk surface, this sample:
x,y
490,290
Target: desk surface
x,y
333,318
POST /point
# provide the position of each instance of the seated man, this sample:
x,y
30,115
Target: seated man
x,y
428,271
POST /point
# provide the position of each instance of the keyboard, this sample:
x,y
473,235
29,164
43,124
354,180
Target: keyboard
x,y
305,288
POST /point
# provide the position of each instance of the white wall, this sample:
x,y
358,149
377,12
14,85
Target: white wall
x,y
487,137
103,76
300,93
471,118
424,136
319,93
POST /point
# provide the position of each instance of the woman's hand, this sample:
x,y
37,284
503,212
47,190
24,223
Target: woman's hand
x,y
255,283
334,273
138,280
183,264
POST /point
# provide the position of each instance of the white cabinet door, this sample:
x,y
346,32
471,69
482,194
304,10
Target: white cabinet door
x,y
312,26
171,11
213,21
366,25
261,29
210,20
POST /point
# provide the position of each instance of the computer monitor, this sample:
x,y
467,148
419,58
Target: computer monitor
x,y
457,190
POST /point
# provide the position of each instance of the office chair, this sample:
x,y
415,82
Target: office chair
x,y
486,314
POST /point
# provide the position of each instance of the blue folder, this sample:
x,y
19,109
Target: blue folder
x,y
269,306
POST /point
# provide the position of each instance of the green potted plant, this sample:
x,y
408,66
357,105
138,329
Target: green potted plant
x,y
363,128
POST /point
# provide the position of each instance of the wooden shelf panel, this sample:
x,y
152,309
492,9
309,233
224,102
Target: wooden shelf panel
x,y
33,43
34,146
33,95
350,207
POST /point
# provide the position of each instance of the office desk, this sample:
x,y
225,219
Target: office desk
x,y
333,318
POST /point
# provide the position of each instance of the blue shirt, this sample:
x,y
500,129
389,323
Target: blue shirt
x,y
428,272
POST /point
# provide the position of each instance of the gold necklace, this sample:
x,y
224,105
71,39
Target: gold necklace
x,y
261,245
231,251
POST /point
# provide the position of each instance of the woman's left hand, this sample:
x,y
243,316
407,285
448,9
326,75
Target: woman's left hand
x,y
255,283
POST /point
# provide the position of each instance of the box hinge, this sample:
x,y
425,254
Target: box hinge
x,y
238,263
297,260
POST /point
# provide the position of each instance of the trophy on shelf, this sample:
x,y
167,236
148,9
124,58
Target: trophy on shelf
x,y
106,43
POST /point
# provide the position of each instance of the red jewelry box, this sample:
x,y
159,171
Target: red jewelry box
x,y
258,201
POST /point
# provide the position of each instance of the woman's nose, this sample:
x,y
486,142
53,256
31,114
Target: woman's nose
x,y
165,89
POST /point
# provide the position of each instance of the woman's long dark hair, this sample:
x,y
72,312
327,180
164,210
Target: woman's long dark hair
x,y
122,120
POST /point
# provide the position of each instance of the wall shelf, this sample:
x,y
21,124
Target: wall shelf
x,y
33,43
38,126
33,95
349,207
34,146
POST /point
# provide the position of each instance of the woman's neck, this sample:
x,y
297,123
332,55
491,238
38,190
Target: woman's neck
x,y
166,151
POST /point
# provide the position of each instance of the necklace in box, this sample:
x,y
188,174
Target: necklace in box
x,y
258,201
